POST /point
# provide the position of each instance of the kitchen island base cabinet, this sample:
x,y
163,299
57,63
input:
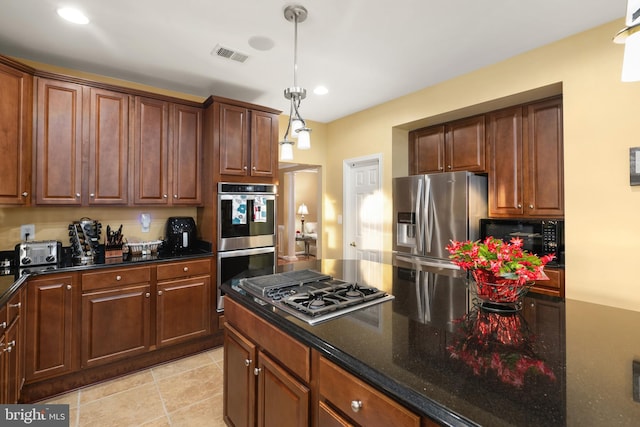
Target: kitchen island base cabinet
x,y
358,401
267,373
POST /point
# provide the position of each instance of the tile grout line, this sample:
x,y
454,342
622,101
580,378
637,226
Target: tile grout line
x,y
164,407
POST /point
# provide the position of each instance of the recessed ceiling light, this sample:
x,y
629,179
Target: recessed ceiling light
x,y
320,90
73,15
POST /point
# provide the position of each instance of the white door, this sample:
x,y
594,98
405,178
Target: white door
x,y
363,209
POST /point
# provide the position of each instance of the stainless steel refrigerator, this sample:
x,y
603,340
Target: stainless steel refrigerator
x,y
429,211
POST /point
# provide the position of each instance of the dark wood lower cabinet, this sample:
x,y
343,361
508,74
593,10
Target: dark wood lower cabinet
x,y
183,310
115,324
50,345
239,381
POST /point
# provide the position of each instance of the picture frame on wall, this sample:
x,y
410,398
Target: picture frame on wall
x,y
634,166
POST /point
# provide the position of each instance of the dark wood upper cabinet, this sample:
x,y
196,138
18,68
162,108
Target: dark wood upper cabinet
x,y
526,177
151,150
186,155
15,136
454,146
108,148
245,140
58,143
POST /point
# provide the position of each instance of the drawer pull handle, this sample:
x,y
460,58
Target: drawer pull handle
x,y
256,371
18,305
185,269
118,278
247,362
356,405
68,287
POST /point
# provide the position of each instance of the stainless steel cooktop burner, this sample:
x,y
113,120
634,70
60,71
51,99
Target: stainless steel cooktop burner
x,y
311,296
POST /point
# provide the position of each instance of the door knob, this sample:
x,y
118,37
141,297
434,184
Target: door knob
x,y
352,244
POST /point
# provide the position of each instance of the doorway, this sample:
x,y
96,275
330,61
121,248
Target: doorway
x,y
363,208
299,185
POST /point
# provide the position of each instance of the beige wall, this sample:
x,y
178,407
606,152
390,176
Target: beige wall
x,y
600,116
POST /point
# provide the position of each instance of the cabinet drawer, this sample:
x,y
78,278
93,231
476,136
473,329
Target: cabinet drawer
x,y
115,277
291,353
184,269
343,390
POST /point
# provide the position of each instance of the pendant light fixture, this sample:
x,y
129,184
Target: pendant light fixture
x,y
297,127
630,37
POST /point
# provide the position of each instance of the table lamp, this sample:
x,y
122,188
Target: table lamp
x,y
302,210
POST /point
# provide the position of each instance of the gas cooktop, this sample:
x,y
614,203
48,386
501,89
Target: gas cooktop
x,y
312,296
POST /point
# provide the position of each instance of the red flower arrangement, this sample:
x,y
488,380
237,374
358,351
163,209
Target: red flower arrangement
x,y
502,270
492,343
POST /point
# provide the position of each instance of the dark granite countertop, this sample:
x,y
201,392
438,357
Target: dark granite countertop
x,y
582,352
12,278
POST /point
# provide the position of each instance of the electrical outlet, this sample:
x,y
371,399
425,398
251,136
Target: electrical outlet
x,y
27,232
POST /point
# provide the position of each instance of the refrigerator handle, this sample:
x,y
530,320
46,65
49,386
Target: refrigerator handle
x,y
429,263
418,214
419,299
428,226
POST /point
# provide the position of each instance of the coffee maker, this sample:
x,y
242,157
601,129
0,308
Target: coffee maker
x,y
180,234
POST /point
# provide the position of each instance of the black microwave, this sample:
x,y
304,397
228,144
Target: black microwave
x,y
539,236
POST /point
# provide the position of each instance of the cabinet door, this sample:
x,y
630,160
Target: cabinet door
x,y
233,134
544,168
108,148
426,150
58,143
464,145
12,363
115,324
186,160
239,406
506,178
327,417
15,136
282,400
151,181
50,348
264,144
184,308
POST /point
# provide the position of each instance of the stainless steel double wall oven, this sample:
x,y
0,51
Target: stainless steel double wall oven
x,y
246,232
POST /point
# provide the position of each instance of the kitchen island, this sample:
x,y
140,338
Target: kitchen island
x,y
427,358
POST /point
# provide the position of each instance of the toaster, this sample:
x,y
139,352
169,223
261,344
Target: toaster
x,y
45,252
181,234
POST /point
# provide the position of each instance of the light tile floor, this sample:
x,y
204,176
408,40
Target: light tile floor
x,y
186,392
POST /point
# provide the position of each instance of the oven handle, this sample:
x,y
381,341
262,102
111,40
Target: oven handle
x,y
243,252
248,196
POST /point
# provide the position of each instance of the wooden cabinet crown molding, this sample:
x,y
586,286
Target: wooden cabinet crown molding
x,y
219,99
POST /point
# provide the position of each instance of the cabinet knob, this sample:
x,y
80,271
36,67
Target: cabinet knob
x,y
448,166
18,305
159,292
244,168
25,194
3,325
92,195
247,362
254,168
530,206
77,195
256,371
185,269
165,196
68,287
175,196
118,278
519,205
440,168
147,295
356,405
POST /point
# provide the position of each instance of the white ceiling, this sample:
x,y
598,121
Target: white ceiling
x,y
364,51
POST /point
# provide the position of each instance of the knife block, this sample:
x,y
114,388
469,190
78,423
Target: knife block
x,y
113,251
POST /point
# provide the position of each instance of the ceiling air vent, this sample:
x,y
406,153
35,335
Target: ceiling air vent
x,y
225,52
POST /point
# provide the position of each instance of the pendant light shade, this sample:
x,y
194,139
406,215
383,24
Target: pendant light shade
x,y
630,37
297,127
